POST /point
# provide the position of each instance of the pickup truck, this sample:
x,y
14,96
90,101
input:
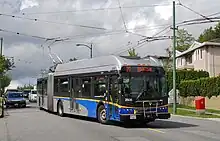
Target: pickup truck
x,y
15,99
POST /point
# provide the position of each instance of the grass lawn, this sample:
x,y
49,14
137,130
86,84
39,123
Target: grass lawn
x,y
191,113
193,108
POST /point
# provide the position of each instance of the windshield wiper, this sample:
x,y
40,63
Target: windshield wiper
x,y
140,94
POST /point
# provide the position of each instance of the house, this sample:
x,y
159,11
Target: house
x,y
166,59
201,56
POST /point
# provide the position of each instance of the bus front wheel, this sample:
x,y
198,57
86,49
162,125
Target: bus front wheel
x,y
60,109
102,114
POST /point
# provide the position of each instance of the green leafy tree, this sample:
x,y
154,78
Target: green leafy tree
x,y
73,59
184,40
25,87
210,34
132,52
5,65
5,81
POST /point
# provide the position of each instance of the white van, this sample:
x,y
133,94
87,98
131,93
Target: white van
x,y
33,96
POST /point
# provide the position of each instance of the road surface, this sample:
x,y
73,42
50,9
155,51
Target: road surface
x,y
31,124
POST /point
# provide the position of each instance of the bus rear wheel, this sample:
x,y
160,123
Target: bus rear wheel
x,y
60,109
102,114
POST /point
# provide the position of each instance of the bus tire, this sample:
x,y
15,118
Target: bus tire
x,y
102,114
60,108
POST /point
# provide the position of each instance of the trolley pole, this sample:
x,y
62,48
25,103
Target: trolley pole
x,y
174,59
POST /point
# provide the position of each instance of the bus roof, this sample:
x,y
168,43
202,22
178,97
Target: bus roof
x,y
101,64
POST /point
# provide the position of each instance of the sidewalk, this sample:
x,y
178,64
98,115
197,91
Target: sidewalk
x,y
3,130
195,111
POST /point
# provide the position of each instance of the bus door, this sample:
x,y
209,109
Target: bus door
x,y
71,92
75,93
113,98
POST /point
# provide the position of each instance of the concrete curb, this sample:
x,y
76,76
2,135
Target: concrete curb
x,y
198,118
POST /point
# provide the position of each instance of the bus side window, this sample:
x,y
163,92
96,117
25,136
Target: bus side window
x,y
56,86
86,87
99,86
64,85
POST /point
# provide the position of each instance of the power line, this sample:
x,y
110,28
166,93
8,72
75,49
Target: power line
x,y
114,32
214,14
98,9
35,19
194,11
199,22
23,34
148,39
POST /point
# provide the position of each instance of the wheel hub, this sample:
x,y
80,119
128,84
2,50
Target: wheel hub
x,y
103,114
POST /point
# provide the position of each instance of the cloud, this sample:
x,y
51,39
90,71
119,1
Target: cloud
x,y
142,19
28,4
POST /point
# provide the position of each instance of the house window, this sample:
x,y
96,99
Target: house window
x,y
200,53
189,59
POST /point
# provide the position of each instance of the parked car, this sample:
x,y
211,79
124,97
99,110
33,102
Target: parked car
x,y
33,96
15,99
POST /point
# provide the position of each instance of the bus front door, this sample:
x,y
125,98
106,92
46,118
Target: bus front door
x,y
75,89
113,98
71,92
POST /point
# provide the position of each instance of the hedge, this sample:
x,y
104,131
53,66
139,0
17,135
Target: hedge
x,y
1,107
206,87
182,75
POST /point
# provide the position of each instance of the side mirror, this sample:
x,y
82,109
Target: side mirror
x,y
120,80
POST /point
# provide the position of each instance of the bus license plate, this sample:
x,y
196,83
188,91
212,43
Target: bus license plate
x,y
132,116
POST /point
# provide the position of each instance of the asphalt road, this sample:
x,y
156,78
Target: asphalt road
x,y
31,124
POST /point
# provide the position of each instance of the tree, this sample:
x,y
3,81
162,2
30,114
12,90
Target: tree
x,y
5,65
5,81
132,52
210,34
73,59
184,40
25,87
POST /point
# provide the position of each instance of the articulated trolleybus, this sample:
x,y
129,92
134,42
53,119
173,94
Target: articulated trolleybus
x,y
109,88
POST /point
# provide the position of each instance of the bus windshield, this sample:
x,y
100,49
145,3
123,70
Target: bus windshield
x,y
142,87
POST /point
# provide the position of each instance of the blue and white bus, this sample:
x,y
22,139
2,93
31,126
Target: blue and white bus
x,y
108,88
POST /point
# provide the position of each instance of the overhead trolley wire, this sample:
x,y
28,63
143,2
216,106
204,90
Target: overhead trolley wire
x,y
195,11
97,9
23,34
52,22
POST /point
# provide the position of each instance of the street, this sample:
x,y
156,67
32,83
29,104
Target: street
x,y
32,124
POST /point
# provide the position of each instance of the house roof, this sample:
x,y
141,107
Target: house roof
x,y
163,56
197,45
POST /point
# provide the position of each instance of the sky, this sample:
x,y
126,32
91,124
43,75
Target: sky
x,y
75,20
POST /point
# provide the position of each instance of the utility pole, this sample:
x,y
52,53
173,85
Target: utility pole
x,y
1,73
174,58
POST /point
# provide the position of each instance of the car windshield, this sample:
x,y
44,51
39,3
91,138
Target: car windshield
x,y
34,92
15,95
26,91
144,86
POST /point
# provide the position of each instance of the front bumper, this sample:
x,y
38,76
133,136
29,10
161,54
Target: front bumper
x,y
15,103
147,117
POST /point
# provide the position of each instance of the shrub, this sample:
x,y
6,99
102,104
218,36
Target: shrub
x,y
206,87
182,75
